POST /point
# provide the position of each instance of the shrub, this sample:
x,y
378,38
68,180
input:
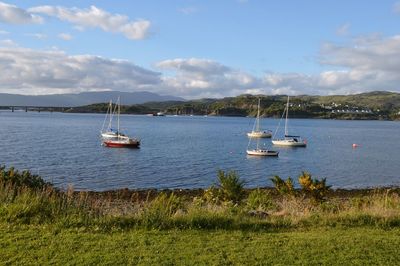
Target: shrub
x,y
212,195
259,200
231,188
284,187
160,209
23,179
314,188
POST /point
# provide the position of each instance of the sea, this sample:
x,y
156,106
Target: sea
x,y
184,152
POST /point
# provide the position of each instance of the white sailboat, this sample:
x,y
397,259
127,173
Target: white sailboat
x,y
258,151
257,132
289,140
116,139
108,132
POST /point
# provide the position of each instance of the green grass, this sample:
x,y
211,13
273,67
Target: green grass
x,y
40,224
329,246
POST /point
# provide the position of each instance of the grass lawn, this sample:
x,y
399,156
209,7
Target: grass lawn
x,y
35,244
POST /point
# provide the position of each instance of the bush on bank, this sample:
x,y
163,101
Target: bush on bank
x,y
28,199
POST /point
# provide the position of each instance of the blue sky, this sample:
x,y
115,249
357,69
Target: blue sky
x,y
199,49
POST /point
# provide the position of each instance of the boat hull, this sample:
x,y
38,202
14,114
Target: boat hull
x,y
262,153
259,134
122,144
109,135
289,143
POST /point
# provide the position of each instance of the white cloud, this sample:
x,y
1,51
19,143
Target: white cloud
x,y
343,30
367,63
39,36
196,77
194,65
15,15
65,36
3,32
8,42
370,53
188,10
396,8
27,71
94,17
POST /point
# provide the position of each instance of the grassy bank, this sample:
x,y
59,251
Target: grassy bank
x,y
329,246
222,224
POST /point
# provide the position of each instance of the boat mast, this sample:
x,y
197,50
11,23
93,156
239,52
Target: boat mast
x,y
258,117
286,120
110,107
109,110
119,111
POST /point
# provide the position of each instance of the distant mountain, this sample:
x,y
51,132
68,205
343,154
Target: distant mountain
x,y
84,98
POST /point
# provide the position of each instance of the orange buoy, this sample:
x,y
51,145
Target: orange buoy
x,y
355,145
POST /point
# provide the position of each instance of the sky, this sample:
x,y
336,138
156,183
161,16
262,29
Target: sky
x,y
197,49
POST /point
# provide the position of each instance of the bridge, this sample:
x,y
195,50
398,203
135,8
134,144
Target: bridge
x,y
39,109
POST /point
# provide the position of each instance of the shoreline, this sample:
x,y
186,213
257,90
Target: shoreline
x,y
347,118
142,195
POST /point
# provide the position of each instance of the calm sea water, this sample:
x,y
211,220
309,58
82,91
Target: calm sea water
x,y
186,152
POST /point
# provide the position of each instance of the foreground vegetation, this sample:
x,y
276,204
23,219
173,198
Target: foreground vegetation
x,y
334,246
223,224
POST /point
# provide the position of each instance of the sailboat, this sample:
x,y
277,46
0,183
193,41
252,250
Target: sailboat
x,y
116,139
109,131
258,151
289,140
257,132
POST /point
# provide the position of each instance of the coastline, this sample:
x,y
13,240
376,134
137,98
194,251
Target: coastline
x,y
143,195
327,116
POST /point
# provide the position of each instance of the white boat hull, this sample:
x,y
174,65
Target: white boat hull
x,y
289,143
112,135
108,135
259,134
259,152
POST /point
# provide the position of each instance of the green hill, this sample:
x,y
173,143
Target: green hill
x,y
373,105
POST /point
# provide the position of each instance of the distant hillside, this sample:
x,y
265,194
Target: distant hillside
x,y
373,105
382,100
80,99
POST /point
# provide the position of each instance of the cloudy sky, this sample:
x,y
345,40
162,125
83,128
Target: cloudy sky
x,y
200,48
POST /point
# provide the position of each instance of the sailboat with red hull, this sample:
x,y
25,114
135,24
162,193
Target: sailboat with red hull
x,y
118,139
121,141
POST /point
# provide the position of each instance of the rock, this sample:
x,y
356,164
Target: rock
x,y
259,214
